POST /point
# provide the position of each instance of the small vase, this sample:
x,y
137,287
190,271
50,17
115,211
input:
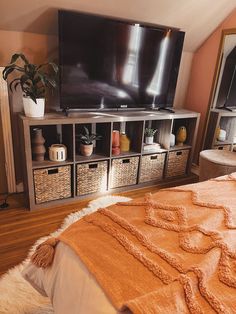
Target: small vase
x,y
172,140
149,140
115,142
86,150
181,135
38,148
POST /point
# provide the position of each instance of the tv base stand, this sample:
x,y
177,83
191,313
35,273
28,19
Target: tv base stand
x,y
165,109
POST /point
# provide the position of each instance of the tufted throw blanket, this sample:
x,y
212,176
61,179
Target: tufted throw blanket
x,y
171,252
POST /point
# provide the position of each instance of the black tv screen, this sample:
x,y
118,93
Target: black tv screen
x,y
107,63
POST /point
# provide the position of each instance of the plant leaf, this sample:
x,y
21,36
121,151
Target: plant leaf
x,y
86,130
19,55
14,82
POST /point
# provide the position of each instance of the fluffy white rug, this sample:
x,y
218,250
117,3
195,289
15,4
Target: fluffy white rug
x,y
16,295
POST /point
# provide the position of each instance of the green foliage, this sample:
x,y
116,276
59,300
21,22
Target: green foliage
x,y
87,138
150,132
33,79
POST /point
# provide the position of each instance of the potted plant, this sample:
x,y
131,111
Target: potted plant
x,y
33,80
86,142
149,135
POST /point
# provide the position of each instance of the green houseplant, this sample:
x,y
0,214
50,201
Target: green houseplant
x,y
149,135
33,80
86,142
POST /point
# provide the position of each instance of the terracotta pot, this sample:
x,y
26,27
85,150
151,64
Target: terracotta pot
x,y
38,148
86,150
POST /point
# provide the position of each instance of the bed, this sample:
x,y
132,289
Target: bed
x,y
171,252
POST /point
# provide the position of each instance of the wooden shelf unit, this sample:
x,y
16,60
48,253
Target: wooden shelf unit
x,y
57,128
226,120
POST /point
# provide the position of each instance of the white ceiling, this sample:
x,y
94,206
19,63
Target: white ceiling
x,y
198,18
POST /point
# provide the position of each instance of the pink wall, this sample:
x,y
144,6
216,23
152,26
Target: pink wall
x,y
202,74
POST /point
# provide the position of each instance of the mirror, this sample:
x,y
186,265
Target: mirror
x,y
222,102
224,86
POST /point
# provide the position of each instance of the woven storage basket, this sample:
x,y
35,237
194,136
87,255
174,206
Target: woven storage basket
x,y
124,171
223,147
91,177
52,184
152,167
177,163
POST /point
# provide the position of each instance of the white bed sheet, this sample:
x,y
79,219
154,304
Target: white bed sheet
x,y
69,285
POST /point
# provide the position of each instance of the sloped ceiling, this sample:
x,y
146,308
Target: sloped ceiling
x,y
198,18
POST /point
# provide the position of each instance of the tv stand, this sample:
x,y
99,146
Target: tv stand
x,y
50,183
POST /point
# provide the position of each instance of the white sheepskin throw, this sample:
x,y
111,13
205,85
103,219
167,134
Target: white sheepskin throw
x,y
16,295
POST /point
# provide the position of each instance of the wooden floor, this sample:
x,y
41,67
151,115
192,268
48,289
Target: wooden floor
x,y
20,228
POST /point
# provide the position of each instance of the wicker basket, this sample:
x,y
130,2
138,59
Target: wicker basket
x,y
124,171
223,147
52,184
152,167
177,163
91,177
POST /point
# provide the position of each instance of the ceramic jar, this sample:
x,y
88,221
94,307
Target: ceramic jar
x,y
38,148
57,152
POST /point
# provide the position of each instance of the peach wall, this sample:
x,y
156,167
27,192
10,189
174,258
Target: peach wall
x,y
202,74
37,47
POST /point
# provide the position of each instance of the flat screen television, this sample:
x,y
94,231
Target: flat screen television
x,y
110,64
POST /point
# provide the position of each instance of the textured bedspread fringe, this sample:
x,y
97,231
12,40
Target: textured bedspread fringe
x,y
44,253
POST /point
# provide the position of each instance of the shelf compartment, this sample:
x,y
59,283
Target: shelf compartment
x,y
101,147
189,124
162,136
134,131
124,171
52,184
177,163
92,177
55,134
229,125
152,167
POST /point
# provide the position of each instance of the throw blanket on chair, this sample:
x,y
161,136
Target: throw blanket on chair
x,y
170,252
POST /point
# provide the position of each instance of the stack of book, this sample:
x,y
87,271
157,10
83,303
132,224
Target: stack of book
x,y
151,147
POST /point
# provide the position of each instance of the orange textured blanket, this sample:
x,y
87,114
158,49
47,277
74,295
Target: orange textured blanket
x,y
171,252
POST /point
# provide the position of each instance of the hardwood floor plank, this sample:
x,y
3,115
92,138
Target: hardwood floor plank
x,y
20,228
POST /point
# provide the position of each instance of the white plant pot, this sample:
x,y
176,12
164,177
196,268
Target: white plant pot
x,y
32,109
149,139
